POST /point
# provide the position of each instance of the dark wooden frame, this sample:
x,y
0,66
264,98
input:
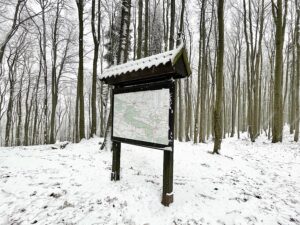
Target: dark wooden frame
x,y
167,194
145,78
166,84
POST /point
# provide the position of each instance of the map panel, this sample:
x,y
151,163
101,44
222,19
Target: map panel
x,y
142,116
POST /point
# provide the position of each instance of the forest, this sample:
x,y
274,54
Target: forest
x,y
244,55
212,139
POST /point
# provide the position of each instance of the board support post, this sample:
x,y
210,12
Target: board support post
x,y
167,195
115,173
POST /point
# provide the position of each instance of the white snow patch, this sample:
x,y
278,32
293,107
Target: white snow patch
x,y
250,183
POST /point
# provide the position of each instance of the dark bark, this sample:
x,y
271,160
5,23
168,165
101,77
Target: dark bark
x,y
172,26
140,30
180,91
44,57
96,39
35,123
11,61
28,107
53,75
19,112
166,22
146,40
297,83
279,16
80,84
122,54
219,79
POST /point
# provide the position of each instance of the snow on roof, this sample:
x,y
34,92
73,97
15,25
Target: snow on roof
x,y
140,64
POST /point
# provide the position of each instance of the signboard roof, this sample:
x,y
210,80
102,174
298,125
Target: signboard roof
x,y
174,63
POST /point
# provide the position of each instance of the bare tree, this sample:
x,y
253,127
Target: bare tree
x,y
279,15
18,20
12,63
80,92
219,79
96,32
297,83
122,57
146,28
172,26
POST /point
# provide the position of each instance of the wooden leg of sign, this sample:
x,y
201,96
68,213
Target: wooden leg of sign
x,y
167,195
115,173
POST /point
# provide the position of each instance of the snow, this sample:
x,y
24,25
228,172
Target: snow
x,y
250,183
140,64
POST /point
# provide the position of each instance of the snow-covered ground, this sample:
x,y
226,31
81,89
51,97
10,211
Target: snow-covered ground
x,y
250,183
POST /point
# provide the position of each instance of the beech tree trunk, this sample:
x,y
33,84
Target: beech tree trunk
x,y
172,26
219,79
280,21
146,53
140,30
297,83
80,85
95,24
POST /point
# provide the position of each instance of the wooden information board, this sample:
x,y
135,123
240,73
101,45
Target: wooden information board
x,y
143,108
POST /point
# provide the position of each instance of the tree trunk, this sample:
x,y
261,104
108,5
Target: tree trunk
x,y
19,111
96,40
9,114
44,56
166,22
280,20
35,128
172,26
28,107
140,30
297,41
9,106
146,28
122,56
53,76
203,75
80,7
219,79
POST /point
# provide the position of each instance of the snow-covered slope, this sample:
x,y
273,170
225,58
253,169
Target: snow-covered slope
x,y
248,184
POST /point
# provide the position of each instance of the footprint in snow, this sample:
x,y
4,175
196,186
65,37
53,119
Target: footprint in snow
x,y
55,195
33,194
66,205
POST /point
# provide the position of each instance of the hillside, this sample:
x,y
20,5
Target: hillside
x,y
249,183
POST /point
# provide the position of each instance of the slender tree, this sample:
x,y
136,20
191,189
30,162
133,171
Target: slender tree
x,y
140,30
96,32
219,79
122,54
122,57
297,83
180,91
146,39
172,26
202,33
80,92
279,15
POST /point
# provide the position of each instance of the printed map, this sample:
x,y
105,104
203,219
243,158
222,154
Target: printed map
x,y
142,116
